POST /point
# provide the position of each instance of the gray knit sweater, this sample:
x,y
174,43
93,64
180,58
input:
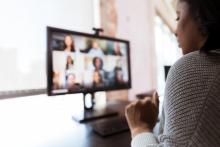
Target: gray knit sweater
x,y
191,104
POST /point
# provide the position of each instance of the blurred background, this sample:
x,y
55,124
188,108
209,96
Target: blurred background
x,y
27,115
148,25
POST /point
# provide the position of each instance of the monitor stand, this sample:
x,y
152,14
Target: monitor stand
x,y
91,113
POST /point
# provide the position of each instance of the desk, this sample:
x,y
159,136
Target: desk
x,y
87,138
42,121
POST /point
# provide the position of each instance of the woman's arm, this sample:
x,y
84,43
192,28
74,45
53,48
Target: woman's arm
x,y
142,116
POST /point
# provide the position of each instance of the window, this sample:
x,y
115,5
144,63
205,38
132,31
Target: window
x,y
23,37
167,50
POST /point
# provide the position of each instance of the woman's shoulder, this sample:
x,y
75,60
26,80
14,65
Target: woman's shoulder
x,y
195,65
197,60
192,86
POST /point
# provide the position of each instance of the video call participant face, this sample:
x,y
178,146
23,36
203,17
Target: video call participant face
x,y
98,63
119,76
97,78
68,43
70,80
95,45
69,60
117,50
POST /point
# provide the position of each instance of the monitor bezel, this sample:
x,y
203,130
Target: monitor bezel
x,y
49,64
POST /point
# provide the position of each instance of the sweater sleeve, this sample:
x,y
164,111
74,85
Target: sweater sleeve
x,y
144,140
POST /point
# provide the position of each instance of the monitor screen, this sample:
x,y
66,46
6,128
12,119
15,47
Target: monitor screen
x,y
83,63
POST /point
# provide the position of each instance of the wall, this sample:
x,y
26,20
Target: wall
x,y
23,37
135,23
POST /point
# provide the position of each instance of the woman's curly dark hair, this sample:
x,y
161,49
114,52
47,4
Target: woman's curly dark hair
x,y
94,62
206,14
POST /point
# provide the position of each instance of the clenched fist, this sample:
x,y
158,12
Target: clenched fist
x,y
142,114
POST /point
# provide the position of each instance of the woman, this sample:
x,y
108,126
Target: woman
x,y
97,79
96,50
117,50
97,63
69,63
69,44
98,66
70,81
192,94
119,81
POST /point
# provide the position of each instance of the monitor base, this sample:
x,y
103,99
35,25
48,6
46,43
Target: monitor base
x,y
89,115
91,112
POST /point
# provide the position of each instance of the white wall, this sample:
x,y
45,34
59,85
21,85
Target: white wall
x,y
23,37
135,23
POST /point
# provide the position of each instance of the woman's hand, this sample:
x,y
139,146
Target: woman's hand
x,y
142,114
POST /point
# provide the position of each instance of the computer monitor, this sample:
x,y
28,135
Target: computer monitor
x,y
85,63
166,70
